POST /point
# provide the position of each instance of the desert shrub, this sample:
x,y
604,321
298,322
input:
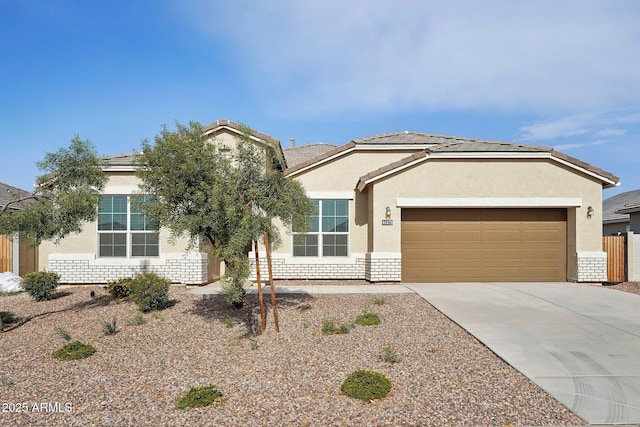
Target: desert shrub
x,y
8,317
119,288
366,385
40,285
149,291
229,322
329,327
367,319
109,327
63,333
199,396
389,355
74,350
379,300
137,320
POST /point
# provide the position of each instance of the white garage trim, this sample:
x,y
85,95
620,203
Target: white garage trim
x,y
489,202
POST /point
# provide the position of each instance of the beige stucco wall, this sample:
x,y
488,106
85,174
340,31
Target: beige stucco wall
x,y
341,176
460,178
86,242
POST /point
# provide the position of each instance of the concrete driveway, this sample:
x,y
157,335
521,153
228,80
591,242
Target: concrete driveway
x,y
579,343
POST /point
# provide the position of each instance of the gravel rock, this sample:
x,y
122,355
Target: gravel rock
x,y
445,377
631,287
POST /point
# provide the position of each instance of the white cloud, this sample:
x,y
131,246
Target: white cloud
x,y
597,124
563,127
372,55
567,147
611,132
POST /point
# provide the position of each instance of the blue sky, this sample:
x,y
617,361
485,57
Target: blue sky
x,y
564,74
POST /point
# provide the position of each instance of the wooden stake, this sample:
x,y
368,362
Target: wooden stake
x,y
274,303
263,317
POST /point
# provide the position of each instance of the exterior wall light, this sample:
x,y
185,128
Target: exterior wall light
x,y
387,213
590,211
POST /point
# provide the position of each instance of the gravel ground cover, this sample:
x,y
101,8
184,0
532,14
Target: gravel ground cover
x,y
631,287
445,376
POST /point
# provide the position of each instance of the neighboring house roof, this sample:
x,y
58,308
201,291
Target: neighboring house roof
x,y
5,195
302,153
612,206
629,208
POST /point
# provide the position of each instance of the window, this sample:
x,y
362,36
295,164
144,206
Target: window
x,y
123,230
328,233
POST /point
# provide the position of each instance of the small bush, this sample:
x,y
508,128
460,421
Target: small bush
x,y
329,327
232,293
119,288
150,292
74,350
389,355
40,285
63,333
379,300
109,327
367,319
137,320
366,385
228,322
199,396
8,317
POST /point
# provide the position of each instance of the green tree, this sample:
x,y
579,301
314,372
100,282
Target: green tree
x,y
224,198
66,195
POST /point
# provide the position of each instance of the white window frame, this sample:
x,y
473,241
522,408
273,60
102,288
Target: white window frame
x,y
128,232
321,233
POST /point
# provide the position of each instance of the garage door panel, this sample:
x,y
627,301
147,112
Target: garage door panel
x,y
440,245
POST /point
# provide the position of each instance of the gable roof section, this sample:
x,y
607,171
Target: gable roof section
x,y
126,162
388,141
5,195
238,129
472,148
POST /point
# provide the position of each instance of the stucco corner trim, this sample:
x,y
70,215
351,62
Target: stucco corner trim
x,y
489,202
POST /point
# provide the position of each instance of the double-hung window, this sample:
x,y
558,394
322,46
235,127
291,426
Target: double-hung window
x,y
328,231
123,230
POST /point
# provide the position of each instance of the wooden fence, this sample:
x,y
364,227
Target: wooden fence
x,y
6,254
28,256
614,247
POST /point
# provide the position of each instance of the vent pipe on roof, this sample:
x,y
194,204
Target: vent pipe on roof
x,y
293,142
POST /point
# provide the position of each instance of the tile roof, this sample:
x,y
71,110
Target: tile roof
x,y
406,138
5,195
302,153
127,159
326,155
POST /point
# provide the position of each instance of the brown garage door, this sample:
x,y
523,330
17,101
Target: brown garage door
x,y
484,245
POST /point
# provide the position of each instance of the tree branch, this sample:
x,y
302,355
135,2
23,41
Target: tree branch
x,y
35,196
